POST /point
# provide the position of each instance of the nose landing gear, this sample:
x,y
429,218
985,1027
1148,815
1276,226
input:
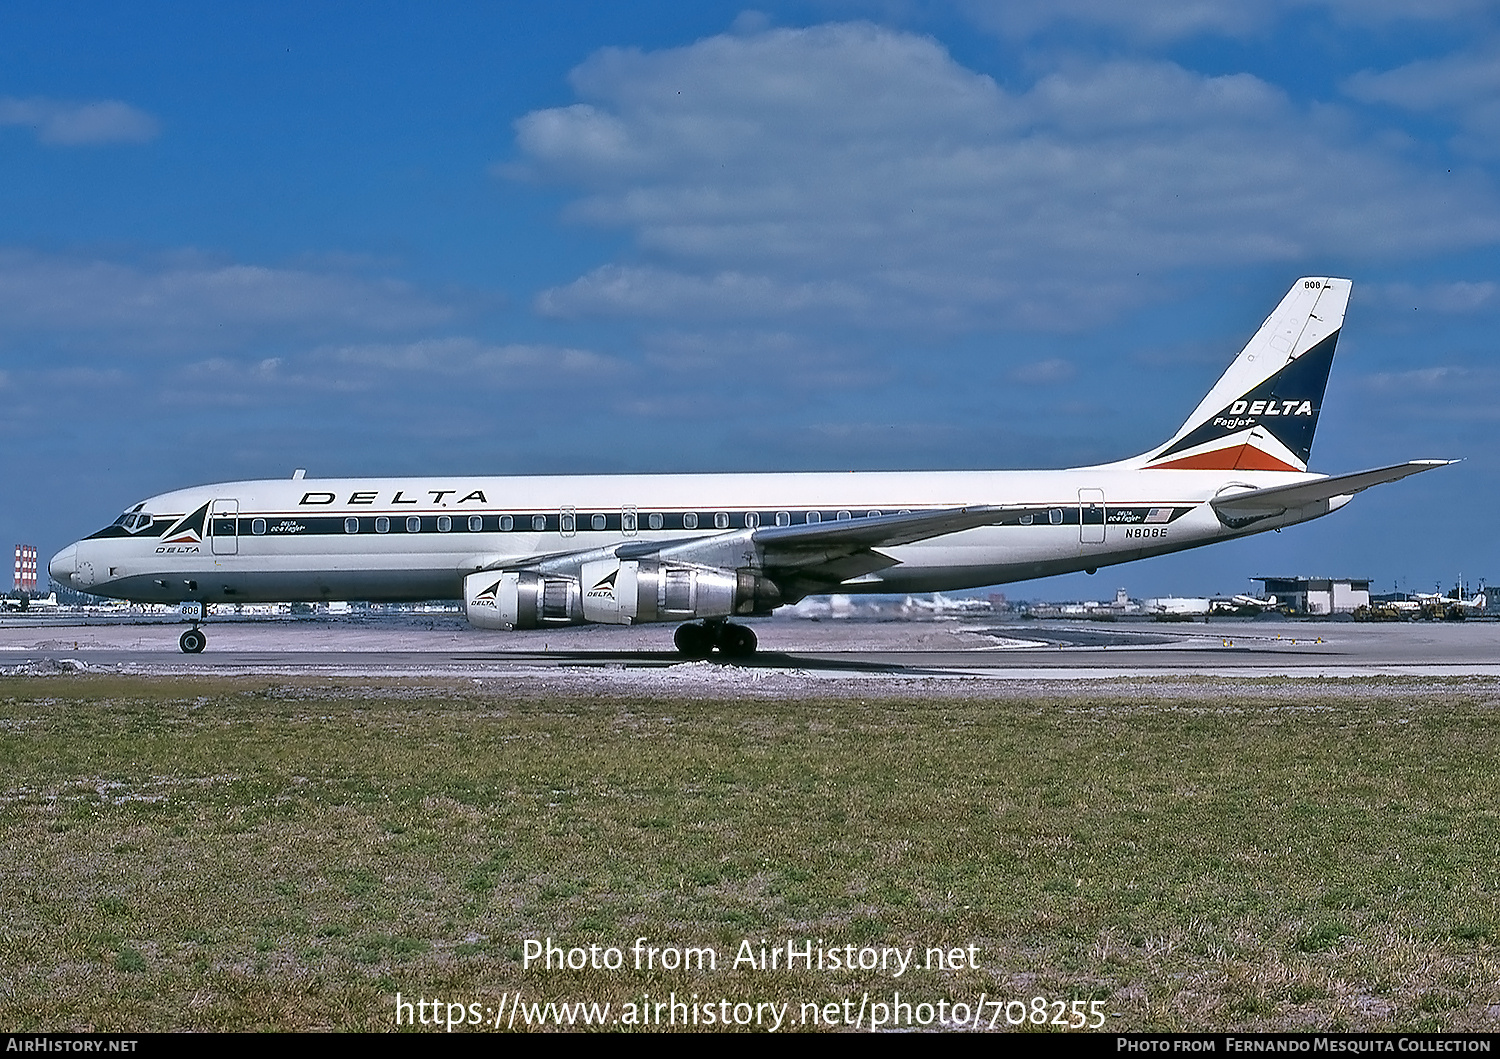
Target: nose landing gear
x,y
700,641
195,639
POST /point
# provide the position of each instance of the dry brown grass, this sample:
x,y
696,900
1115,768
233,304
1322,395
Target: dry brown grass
x,y
258,854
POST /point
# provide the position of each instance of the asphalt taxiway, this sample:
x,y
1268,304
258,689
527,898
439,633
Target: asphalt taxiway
x,y
974,647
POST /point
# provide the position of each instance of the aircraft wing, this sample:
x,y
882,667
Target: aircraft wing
x,y
816,558
802,559
819,557
1237,509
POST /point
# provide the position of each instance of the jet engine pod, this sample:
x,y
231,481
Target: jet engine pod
x,y
670,592
612,592
631,592
512,599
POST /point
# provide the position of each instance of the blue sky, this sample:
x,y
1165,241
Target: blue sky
x,y
397,239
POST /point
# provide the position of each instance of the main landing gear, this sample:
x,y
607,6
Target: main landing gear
x,y
700,641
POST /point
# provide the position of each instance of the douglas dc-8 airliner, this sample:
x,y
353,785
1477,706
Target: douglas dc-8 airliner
x,y
533,552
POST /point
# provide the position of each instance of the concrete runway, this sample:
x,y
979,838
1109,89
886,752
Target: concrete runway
x,y
971,647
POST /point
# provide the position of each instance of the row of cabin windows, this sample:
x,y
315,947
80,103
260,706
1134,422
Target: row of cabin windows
x,y
1054,517
567,522
444,524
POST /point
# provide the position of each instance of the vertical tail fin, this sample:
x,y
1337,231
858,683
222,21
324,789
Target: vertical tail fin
x,y
1261,415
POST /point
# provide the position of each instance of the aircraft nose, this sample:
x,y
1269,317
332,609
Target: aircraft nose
x,y
64,565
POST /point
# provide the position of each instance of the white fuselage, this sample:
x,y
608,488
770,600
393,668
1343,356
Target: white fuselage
x,y
412,539
523,553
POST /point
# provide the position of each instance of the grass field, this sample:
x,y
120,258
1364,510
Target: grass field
x,y
243,853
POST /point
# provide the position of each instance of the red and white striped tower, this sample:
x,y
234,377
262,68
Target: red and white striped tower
x,y
25,569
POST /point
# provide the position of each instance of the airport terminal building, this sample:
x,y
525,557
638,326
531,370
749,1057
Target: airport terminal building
x,y
1318,595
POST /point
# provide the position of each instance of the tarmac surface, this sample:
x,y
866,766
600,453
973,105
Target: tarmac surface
x,y
986,648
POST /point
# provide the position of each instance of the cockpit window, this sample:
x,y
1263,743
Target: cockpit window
x,y
133,521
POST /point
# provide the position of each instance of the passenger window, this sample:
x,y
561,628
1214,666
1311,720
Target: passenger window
x,y
597,522
783,518
690,520
351,525
413,524
814,516
567,523
476,523
258,526
1054,516
507,523
538,522
844,516
751,520
873,514
654,521
382,525
721,520
444,523
1026,520
627,522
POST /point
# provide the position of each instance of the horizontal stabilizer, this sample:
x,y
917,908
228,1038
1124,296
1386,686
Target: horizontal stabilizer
x,y
1237,509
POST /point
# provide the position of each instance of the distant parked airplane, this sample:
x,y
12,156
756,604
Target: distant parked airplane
x,y
1454,602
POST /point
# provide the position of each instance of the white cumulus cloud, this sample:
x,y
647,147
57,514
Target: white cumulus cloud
x,y
479,362
1463,87
865,174
188,300
1174,20
1044,372
69,124
1461,297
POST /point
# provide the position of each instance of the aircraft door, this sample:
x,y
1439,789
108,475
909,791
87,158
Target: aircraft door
x,y
1091,516
224,527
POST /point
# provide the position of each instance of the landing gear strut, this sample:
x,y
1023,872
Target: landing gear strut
x,y
700,641
195,639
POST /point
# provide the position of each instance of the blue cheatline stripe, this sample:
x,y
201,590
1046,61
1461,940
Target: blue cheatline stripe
x,y
276,524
